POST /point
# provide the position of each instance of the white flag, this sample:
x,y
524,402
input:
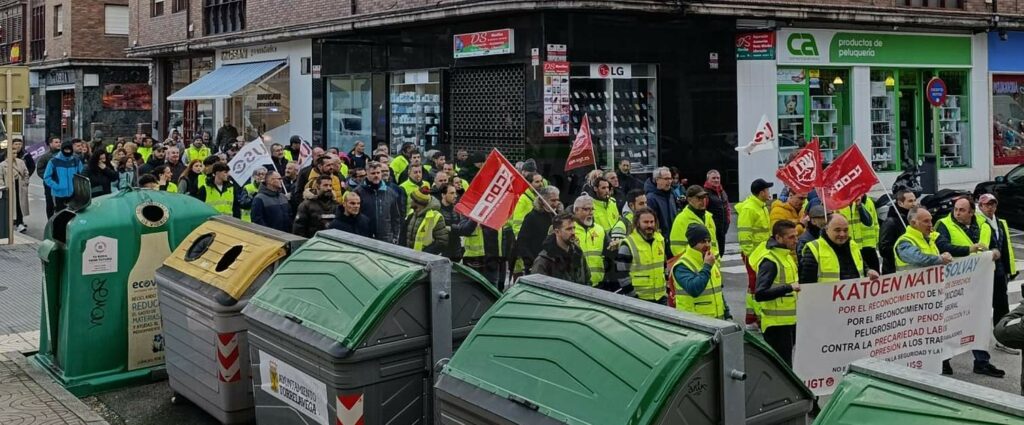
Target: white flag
x,y
305,154
252,156
765,138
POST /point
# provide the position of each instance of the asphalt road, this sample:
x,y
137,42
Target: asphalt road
x,y
150,404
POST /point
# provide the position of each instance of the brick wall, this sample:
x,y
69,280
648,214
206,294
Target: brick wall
x,y
88,24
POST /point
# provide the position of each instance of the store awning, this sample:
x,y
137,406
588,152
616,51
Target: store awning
x,y
225,81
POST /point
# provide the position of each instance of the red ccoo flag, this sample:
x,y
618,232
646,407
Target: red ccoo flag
x,y
848,178
493,193
803,173
582,153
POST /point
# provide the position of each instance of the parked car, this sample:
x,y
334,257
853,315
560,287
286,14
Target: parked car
x,y
1009,190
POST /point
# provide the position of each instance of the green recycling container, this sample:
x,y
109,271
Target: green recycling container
x,y
100,327
348,330
554,352
877,392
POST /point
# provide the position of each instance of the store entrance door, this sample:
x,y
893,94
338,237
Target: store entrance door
x,y
910,127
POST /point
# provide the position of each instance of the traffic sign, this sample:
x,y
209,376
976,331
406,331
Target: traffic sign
x,y
937,91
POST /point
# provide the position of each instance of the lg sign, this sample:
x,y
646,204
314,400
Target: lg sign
x,y
611,70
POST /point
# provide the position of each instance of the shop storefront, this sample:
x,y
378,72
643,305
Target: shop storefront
x,y
87,102
1006,65
262,89
903,99
523,84
190,117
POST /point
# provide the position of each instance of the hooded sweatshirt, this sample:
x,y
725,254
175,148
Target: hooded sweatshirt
x,y
60,172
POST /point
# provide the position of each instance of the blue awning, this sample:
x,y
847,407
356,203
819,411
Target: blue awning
x,y
225,81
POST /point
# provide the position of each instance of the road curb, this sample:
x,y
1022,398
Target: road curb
x,y
57,392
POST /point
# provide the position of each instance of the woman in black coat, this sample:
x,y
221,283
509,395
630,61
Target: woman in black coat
x,y
100,173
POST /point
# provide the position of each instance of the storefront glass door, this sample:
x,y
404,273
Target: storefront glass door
x,y
350,111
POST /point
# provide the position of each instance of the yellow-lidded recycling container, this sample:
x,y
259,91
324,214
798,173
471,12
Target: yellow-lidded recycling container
x,y
204,285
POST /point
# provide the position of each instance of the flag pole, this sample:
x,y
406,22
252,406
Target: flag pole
x,y
892,204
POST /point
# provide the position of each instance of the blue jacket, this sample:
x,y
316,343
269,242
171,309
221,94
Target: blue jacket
x,y
60,174
664,205
271,209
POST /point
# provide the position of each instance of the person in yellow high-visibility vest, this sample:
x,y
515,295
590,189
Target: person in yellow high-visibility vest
x,y
220,193
592,238
697,277
640,260
695,212
961,234
864,228
777,288
834,256
425,227
753,230
1006,266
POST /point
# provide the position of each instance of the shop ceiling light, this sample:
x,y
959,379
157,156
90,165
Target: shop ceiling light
x,y
890,81
838,81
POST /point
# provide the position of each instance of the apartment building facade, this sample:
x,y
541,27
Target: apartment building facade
x,y
660,82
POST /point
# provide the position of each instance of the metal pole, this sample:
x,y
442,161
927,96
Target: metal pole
x,y
11,186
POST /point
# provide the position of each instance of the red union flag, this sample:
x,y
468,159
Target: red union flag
x,y
493,194
582,153
803,173
848,178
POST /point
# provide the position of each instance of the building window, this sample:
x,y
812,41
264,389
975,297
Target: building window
x,y
223,16
156,8
939,4
58,20
115,19
179,5
37,48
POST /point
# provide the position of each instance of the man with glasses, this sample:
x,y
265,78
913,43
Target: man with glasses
x,y
1006,266
661,200
694,213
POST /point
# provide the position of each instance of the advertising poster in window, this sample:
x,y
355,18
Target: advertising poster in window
x,y
1008,119
136,97
556,99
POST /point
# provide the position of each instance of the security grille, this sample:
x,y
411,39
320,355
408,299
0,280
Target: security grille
x,y
488,110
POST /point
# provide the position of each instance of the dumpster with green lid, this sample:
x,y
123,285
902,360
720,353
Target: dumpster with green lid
x,y
100,324
553,352
350,328
204,285
874,391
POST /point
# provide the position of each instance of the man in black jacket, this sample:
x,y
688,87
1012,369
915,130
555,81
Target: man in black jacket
x,y
349,219
894,227
303,179
381,205
536,226
458,225
815,225
561,257
626,180
41,167
718,206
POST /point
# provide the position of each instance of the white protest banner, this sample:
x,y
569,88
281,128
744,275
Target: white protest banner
x,y
252,156
305,154
764,138
915,318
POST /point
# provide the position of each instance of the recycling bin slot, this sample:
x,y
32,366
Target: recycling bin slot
x,y
100,326
876,391
204,285
348,321
553,352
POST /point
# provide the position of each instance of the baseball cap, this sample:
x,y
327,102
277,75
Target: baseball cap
x,y
987,198
760,184
696,191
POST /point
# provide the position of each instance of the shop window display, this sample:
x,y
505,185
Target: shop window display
x,y
953,124
1008,119
263,106
884,138
416,109
813,104
349,111
622,113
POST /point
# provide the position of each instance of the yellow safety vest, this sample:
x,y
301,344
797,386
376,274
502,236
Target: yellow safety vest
x,y
523,207
171,187
1009,242
474,243
752,225
870,233
288,155
853,217
201,180
399,164
709,303
915,237
592,244
222,202
623,227
958,237
408,187
677,238
247,213
425,233
606,213
828,261
194,154
647,271
780,311
145,152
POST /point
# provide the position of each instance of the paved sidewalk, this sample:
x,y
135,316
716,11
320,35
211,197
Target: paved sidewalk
x,y
28,396
21,282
